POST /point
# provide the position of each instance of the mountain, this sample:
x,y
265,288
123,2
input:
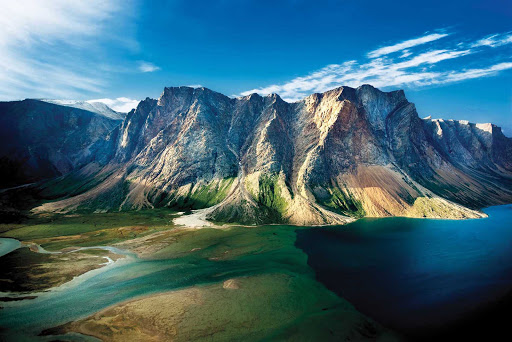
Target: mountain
x,y
327,159
40,140
94,106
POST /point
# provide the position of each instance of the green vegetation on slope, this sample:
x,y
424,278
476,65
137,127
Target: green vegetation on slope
x,y
270,198
342,203
271,205
204,196
440,208
107,200
70,185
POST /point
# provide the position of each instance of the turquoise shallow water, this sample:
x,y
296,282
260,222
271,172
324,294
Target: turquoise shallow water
x,y
8,245
133,277
104,287
416,275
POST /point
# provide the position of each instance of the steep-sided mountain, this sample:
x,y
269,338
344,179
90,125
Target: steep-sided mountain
x,y
326,159
41,140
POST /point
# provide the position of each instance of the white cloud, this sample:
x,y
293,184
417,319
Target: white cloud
x,y
30,21
49,48
494,40
406,53
419,68
317,81
406,44
147,67
120,104
474,73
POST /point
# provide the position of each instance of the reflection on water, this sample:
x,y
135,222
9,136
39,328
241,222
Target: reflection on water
x,y
415,274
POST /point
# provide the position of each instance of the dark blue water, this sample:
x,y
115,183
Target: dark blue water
x,y
418,276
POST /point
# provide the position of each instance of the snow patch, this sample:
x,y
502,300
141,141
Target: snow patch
x,y
91,106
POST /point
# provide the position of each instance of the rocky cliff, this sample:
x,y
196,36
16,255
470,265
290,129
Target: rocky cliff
x,y
329,158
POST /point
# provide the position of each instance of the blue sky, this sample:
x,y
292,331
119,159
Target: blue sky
x,y
453,58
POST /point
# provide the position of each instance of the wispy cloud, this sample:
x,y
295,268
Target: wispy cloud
x,y
455,76
494,40
405,53
120,104
50,48
413,67
147,67
386,50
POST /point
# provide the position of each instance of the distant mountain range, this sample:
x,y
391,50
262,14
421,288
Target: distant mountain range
x,y
327,159
91,106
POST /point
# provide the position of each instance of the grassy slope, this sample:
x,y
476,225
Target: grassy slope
x,y
342,203
268,206
270,198
204,196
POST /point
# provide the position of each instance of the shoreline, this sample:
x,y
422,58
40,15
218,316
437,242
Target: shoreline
x,y
198,220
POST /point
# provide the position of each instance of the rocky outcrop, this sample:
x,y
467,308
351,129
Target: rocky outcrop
x,y
327,159
41,140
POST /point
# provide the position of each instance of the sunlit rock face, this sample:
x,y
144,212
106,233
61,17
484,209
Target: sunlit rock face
x,y
327,159
41,140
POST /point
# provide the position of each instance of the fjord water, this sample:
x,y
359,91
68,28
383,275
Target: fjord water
x,y
422,277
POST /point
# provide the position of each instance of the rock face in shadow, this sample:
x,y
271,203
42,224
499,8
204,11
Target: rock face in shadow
x,y
41,140
327,159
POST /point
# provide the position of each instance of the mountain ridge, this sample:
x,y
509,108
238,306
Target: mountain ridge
x,y
327,159
40,140
91,106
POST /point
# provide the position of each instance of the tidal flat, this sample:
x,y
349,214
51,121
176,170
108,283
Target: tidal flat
x,y
373,280
170,283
